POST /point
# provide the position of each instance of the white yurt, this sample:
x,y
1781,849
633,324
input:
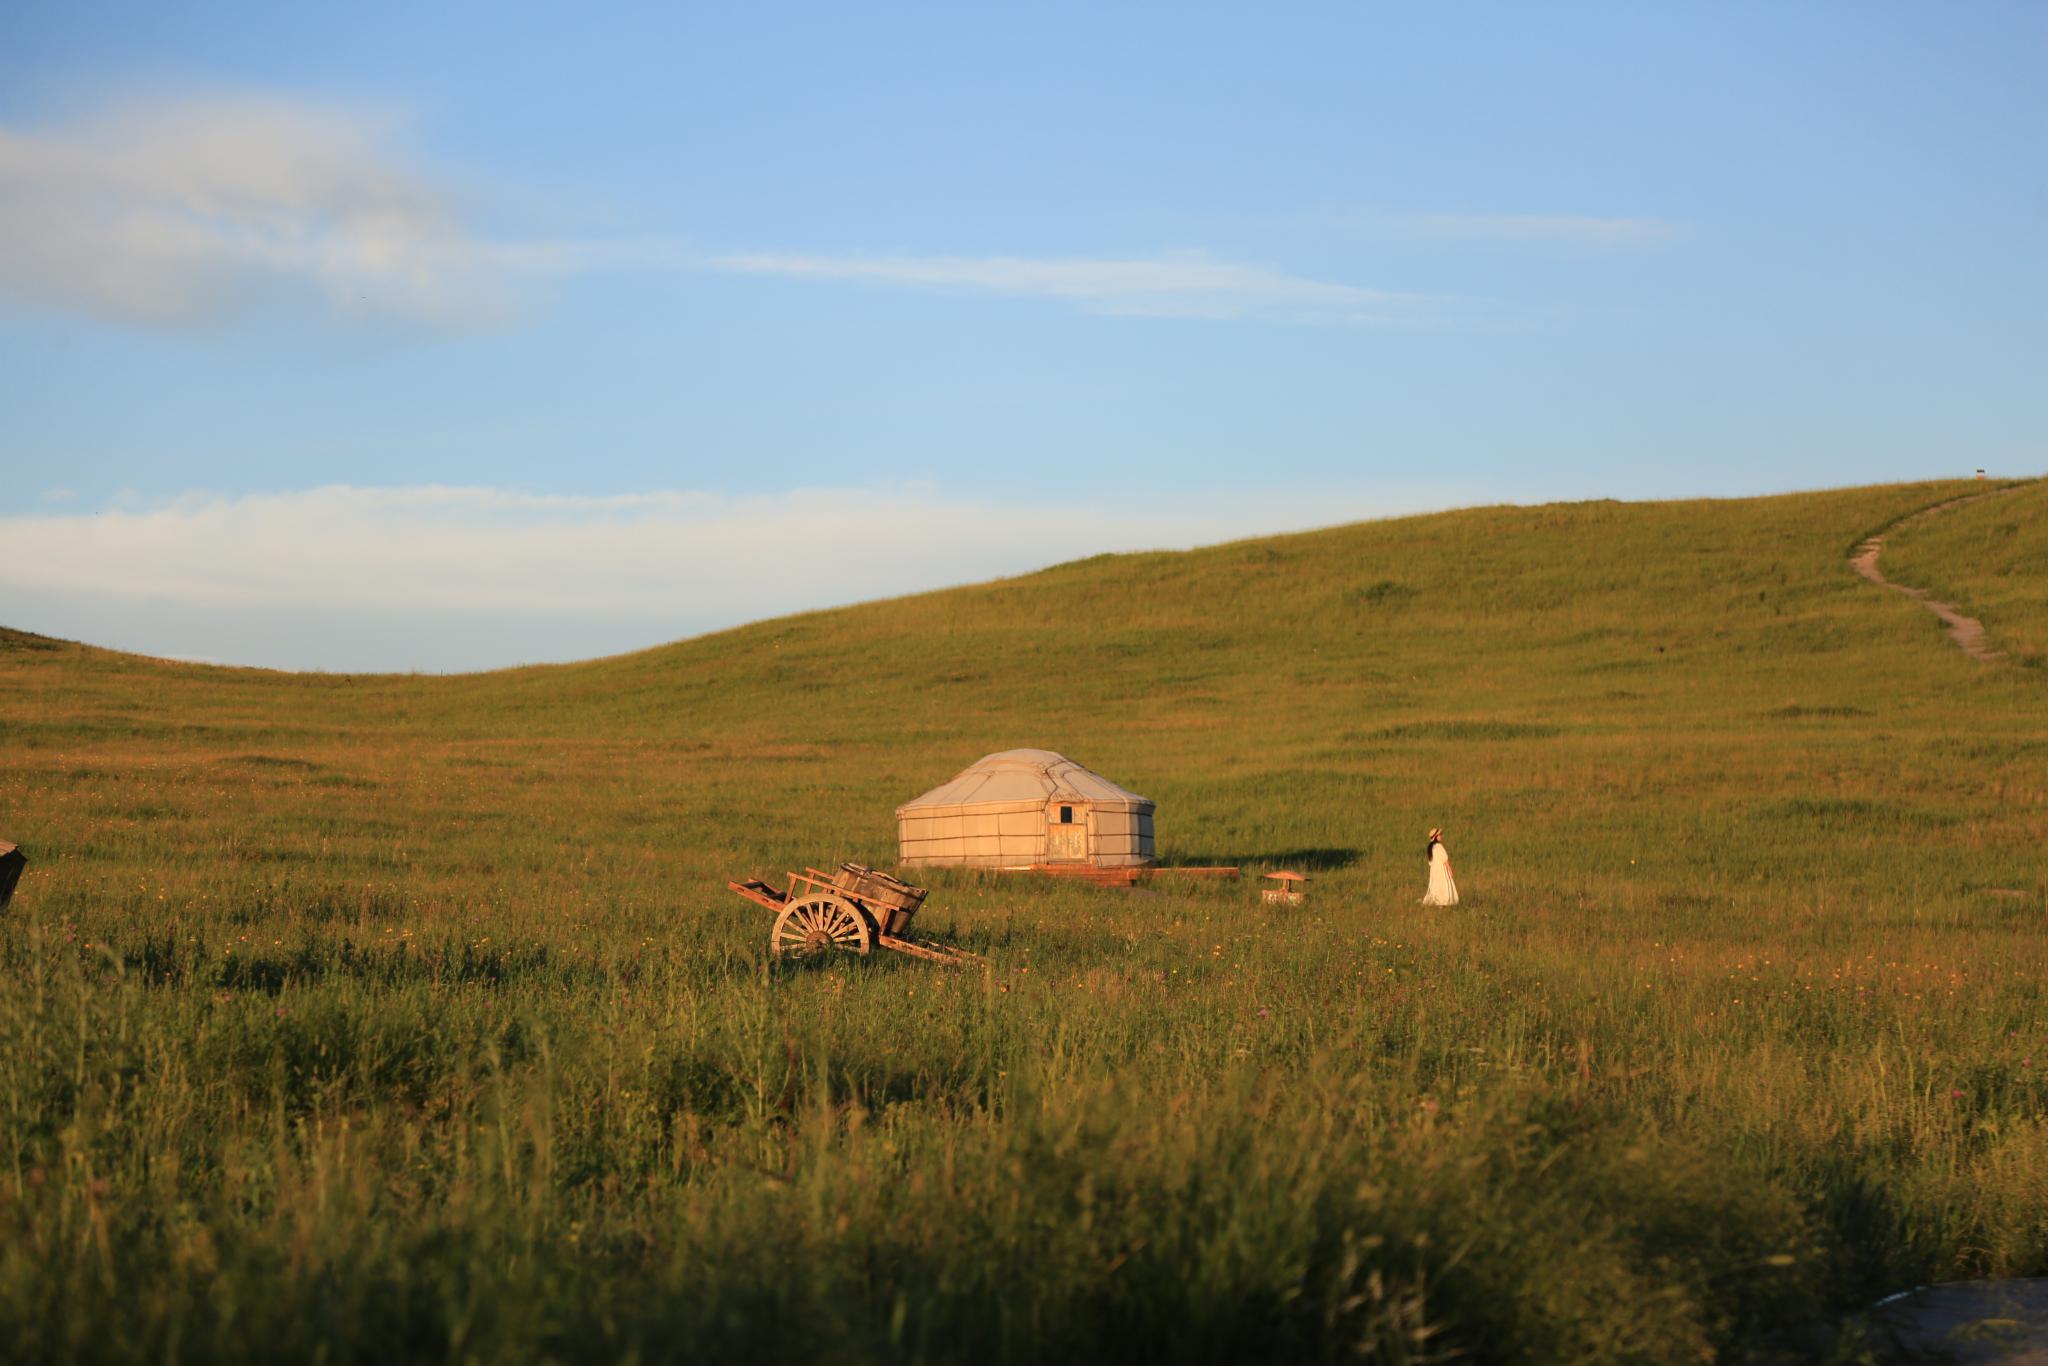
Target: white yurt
x,y
1021,808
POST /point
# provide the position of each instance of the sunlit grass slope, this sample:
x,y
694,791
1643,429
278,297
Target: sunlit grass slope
x,y
401,1016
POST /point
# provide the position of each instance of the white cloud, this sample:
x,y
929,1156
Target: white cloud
x,y
1544,229
1173,284
177,209
479,577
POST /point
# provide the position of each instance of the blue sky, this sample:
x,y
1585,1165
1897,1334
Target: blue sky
x,y
442,336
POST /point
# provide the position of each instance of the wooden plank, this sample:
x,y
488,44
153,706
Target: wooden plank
x,y
958,958
755,890
1088,872
1127,876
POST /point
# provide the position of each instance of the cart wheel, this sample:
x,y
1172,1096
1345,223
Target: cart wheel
x,y
818,923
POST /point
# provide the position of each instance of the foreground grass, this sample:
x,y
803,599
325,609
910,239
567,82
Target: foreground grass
x,y
408,1016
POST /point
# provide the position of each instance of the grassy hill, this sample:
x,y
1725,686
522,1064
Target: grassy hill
x,y
386,1016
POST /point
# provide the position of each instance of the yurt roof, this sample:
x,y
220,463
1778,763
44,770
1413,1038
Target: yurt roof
x,y
1026,777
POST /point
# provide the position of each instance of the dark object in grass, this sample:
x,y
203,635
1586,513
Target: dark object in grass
x,y
1385,593
12,861
1984,1322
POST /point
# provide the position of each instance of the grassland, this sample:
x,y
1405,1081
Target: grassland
x,y
373,1017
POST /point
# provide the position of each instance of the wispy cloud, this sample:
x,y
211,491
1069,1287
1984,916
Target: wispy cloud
x,y
1185,284
1543,229
192,208
510,570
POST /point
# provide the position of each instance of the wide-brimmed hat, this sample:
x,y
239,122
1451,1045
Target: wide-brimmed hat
x,y
1435,832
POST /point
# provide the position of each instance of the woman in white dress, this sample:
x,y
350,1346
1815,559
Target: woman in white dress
x,y
1442,890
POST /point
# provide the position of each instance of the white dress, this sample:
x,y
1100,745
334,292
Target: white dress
x,y
1442,891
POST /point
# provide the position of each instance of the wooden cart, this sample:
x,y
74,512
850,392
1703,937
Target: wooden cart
x,y
852,911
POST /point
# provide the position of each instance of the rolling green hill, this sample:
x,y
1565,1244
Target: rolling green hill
x,y
409,1015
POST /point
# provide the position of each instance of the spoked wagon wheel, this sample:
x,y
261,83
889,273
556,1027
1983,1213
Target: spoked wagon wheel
x,y
818,923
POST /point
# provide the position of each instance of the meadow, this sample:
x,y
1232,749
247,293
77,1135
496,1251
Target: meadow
x,y
357,1018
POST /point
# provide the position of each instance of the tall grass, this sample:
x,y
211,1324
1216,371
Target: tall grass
x,y
372,1017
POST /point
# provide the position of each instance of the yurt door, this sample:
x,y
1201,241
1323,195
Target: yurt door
x,y
1066,833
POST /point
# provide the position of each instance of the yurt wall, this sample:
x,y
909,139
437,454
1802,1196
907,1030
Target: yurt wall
x,y
1018,808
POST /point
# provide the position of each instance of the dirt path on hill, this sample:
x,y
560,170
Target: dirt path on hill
x,y
1966,632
